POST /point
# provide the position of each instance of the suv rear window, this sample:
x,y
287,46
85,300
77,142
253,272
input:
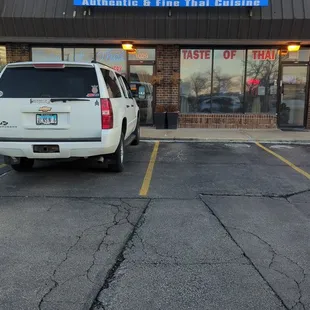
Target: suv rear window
x,y
29,82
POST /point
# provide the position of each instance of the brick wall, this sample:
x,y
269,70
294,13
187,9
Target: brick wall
x,y
167,64
246,121
17,52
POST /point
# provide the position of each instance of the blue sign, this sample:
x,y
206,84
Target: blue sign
x,y
173,3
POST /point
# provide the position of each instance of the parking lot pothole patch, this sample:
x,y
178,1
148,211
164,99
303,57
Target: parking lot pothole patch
x,y
279,146
238,145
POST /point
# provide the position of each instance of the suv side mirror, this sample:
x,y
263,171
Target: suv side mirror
x,y
142,92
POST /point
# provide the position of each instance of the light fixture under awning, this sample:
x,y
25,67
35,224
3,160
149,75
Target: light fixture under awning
x,y
293,47
127,46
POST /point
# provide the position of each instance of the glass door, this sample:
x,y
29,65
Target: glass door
x,y
141,75
294,95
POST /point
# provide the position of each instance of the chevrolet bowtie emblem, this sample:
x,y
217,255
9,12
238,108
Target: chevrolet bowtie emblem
x,y
45,109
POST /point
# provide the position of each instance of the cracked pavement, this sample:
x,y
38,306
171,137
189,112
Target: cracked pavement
x,y
223,227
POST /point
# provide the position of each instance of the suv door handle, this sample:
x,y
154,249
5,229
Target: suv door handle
x,y
127,106
132,105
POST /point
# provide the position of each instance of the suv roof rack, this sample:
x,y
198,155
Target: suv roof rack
x,y
100,63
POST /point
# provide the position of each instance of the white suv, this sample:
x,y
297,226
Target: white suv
x,y
65,110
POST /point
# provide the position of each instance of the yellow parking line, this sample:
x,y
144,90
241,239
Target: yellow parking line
x,y
304,173
2,165
149,172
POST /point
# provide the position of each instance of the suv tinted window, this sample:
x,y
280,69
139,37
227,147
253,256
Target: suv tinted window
x,y
127,87
28,82
111,82
120,80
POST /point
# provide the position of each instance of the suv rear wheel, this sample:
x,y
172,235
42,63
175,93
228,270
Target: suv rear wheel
x,y
136,141
25,164
118,157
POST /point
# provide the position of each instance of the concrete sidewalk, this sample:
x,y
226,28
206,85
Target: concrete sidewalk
x,y
227,135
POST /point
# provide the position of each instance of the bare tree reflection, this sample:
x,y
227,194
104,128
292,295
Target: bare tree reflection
x,y
199,83
261,74
225,83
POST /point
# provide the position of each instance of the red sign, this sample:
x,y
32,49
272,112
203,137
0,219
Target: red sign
x,y
253,82
264,54
206,54
117,68
196,54
229,54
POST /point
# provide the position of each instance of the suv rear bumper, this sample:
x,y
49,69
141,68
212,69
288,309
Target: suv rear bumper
x,y
107,145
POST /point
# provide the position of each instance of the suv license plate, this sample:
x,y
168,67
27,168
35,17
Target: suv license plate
x,y
46,119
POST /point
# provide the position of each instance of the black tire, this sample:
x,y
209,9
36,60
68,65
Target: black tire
x,y
136,141
117,158
25,164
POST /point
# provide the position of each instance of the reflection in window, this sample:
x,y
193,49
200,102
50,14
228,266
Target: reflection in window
x,y
79,54
301,55
261,81
228,81
46,54
2,57
113,57
196,67
111,83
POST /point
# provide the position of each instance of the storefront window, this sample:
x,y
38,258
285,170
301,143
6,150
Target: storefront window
x,y
143,54
261,81
196,68
113,57
228,81
46,54
2,57
79,54
301,55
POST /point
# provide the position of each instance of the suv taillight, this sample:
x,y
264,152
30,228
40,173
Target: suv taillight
x,y
106,114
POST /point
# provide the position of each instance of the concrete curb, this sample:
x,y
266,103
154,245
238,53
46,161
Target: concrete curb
x,y
194,140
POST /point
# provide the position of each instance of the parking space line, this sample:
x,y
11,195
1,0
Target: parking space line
x,y
304,173
2,165
149,172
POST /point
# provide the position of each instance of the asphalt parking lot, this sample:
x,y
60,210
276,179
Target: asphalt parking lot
x,y
185,226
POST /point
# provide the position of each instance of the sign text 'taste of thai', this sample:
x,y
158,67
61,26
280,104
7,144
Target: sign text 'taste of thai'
x,y
229,54
173,3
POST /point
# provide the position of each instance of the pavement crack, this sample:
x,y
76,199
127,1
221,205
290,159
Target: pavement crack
x,y
184,264
127,207
296,193
55,284
262,195
115,222
270,266
97,304
244,253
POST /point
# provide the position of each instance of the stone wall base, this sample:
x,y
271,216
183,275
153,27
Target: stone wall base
x,y
236,121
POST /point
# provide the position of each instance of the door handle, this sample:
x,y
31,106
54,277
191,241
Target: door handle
x,y
132,105
127,106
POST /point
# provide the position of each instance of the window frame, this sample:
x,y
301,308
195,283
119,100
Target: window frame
x,y
123,87
130,95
